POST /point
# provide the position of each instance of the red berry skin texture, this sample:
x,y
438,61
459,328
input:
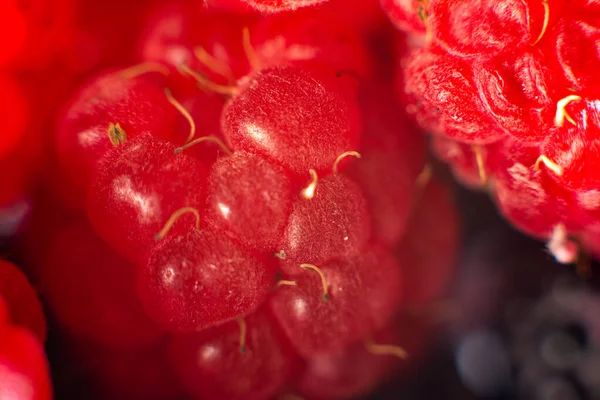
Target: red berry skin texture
x,y
136,104
137,186
575,148
91,292
24,373
14,113
297,118
310,37
272,6
334,223
211,365
407,15
429,250
574,43
250,199
518,93
198,279
315,326
24,305
364,292
445,98
530,198
486,27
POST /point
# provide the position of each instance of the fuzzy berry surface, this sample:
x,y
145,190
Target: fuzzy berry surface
x,y
235,206
508,98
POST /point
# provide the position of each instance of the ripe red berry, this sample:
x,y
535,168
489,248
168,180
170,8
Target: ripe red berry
x,y
573,43
107,110
341,302
518,92
333,223
527,194
201,278
314,325
445,98
24,370
250,199
574,147
486,28
137,186
23,304
92,291
247,359
295,117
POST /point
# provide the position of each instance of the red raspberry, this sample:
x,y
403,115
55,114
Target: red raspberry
x,y
511,99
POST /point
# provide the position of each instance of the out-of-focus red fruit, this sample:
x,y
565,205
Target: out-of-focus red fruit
x,y
35,33
142,373
25,308
429,249
91,291
24,372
